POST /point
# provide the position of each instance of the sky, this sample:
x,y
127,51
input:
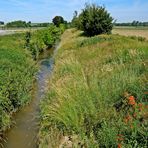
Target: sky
x,y
45,10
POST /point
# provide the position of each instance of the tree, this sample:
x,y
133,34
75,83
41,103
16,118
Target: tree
x,y
94,20
16,24
2,23
57,20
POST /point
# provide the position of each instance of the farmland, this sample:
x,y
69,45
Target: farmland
x,y
131,31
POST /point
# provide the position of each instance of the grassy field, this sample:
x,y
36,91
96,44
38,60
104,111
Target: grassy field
x,y
132,31
97,95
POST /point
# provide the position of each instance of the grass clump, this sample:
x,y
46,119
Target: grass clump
x,y
95,93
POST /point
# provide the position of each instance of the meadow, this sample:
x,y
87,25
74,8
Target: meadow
x,y
97,93
131,31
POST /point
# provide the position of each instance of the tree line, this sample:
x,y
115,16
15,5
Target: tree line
x,y
134,23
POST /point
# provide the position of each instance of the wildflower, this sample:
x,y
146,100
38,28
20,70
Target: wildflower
x,y
120,137
131,100
119,145
140,105
134,115
127,118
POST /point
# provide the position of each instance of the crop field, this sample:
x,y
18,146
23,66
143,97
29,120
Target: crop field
x,y
131,31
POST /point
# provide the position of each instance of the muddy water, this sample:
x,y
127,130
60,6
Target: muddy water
x,y
24,132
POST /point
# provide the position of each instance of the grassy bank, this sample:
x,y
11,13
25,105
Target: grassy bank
x,y
97,95
16,76
18,53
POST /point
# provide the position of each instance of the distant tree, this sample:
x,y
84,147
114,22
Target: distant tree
x,y
57,20
2,23
16,24
75,19
134,23
29,24
95,20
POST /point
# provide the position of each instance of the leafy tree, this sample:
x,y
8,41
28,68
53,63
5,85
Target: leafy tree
x,y
95,20
75,20
57,20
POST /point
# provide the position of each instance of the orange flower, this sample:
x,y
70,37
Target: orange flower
x,y
119,145
140,105
127,119
134,115
131,100
120,137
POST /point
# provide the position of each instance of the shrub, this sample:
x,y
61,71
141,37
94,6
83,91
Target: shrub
x,y
95,20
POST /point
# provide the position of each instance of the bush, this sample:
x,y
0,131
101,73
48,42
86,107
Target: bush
x,y
95,20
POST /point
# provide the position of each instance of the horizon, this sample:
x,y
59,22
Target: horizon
x,y
41,11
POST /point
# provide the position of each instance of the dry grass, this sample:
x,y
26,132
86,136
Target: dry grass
x,y
143,32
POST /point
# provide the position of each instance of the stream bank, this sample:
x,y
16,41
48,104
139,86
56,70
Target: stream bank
x,y
26,122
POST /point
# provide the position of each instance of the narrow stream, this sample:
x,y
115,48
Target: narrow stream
x,y
25,130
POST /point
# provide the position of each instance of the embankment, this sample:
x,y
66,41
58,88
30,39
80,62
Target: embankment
x,y
97,95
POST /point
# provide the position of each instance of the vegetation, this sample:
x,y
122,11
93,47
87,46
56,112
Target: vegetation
x,y
40,24
57,20
42,39
18,24
17,68
16,75
140,32
2,23
93,20
134,23
98,94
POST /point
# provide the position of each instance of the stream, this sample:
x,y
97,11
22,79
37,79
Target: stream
x,y
26,122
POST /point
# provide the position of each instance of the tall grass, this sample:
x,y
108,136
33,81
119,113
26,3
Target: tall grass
x,y
86,100
17,68
16,76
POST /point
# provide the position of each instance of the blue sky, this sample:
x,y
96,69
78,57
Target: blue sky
x,y
45,10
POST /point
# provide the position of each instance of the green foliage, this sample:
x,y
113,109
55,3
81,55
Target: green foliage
x,y
57,20
134,23
42,39
16,76
94,20
17,24
87,101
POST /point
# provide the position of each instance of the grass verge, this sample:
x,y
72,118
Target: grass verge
x,y
97,95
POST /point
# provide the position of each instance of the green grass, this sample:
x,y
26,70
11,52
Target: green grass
x,y
17,68
86,100
16,76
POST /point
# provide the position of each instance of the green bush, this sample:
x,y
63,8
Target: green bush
x,y
40,40
95,20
